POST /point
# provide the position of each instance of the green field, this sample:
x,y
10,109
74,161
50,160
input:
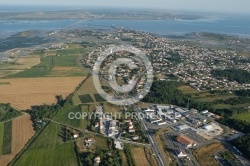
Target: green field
x,y
3,65
86,98
73,51
64,61
188,90
64,58
1,136
102,143
63,116
7,138
75,111
244,116
98,98
49,149
39,70
4,83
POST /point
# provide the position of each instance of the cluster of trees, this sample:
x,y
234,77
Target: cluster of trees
x,y
229,112
241,76
7,112
233,101
237,124
128,154
108,157
243,144
243,92
42,112
175,57
167,92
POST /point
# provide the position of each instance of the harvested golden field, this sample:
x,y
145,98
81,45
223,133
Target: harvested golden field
x,y
23,93
25,63
22,132
204,155
139,157
124,158
19,65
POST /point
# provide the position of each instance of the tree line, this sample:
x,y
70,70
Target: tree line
x,y
239,75
7,112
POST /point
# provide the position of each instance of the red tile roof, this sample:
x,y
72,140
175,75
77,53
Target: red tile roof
x,y
185,140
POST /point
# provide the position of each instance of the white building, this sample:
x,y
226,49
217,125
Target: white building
x,y
180,153
182,127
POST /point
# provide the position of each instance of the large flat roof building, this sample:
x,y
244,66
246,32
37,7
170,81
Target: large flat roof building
x,y
185,141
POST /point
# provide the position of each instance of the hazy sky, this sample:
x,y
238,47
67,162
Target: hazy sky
x,y
229,6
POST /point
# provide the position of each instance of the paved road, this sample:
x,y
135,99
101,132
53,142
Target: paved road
x,y
151,139
79,129
243,160
173,146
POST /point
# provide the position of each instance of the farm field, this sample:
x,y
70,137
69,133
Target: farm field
x,y
139,156
211,98
111,108
101,142
19,65
21,91
22,131
188,90
243,116
87,88
24,63
204,96
98,98
124,158
7,138
85,92
86,98
49,149
63,116
67,71
204,155
45,64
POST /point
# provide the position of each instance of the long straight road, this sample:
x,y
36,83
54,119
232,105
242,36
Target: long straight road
x,y
151,140
157,153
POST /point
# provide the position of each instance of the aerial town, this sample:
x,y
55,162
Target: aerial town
x,y
195,111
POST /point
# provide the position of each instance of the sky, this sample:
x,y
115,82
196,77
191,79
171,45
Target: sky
x,y
224,6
